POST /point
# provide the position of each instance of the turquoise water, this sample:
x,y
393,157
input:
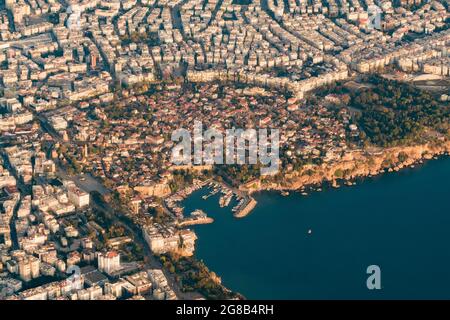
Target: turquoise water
x,y
399,221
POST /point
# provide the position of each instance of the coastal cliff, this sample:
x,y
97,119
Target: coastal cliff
x,y
354,164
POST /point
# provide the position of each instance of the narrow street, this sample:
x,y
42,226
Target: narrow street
x,y
24,190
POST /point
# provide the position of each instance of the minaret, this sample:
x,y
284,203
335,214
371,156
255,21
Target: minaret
x,y
85,152
65,136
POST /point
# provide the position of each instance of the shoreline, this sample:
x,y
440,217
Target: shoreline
x,y
417,155
356,165
347,202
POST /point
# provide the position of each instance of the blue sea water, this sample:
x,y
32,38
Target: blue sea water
x,y
399,222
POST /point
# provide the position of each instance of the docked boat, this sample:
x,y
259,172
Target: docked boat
x,y
198,213
225,200
213,192
236,207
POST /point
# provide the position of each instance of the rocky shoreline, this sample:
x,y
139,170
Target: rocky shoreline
x,y
354,164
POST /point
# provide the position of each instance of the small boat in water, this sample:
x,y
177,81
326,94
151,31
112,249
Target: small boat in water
x,y
284,193
309,231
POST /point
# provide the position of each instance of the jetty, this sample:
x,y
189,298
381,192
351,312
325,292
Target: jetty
x,y
194,221
244,209
197,217
215,191
225,200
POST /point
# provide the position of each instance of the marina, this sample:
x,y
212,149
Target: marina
x,y
244,203
172,202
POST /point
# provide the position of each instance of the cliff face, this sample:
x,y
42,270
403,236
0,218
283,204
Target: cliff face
x,y
354,164
182,252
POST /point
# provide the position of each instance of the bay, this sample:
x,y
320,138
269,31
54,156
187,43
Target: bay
x,y
398,221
